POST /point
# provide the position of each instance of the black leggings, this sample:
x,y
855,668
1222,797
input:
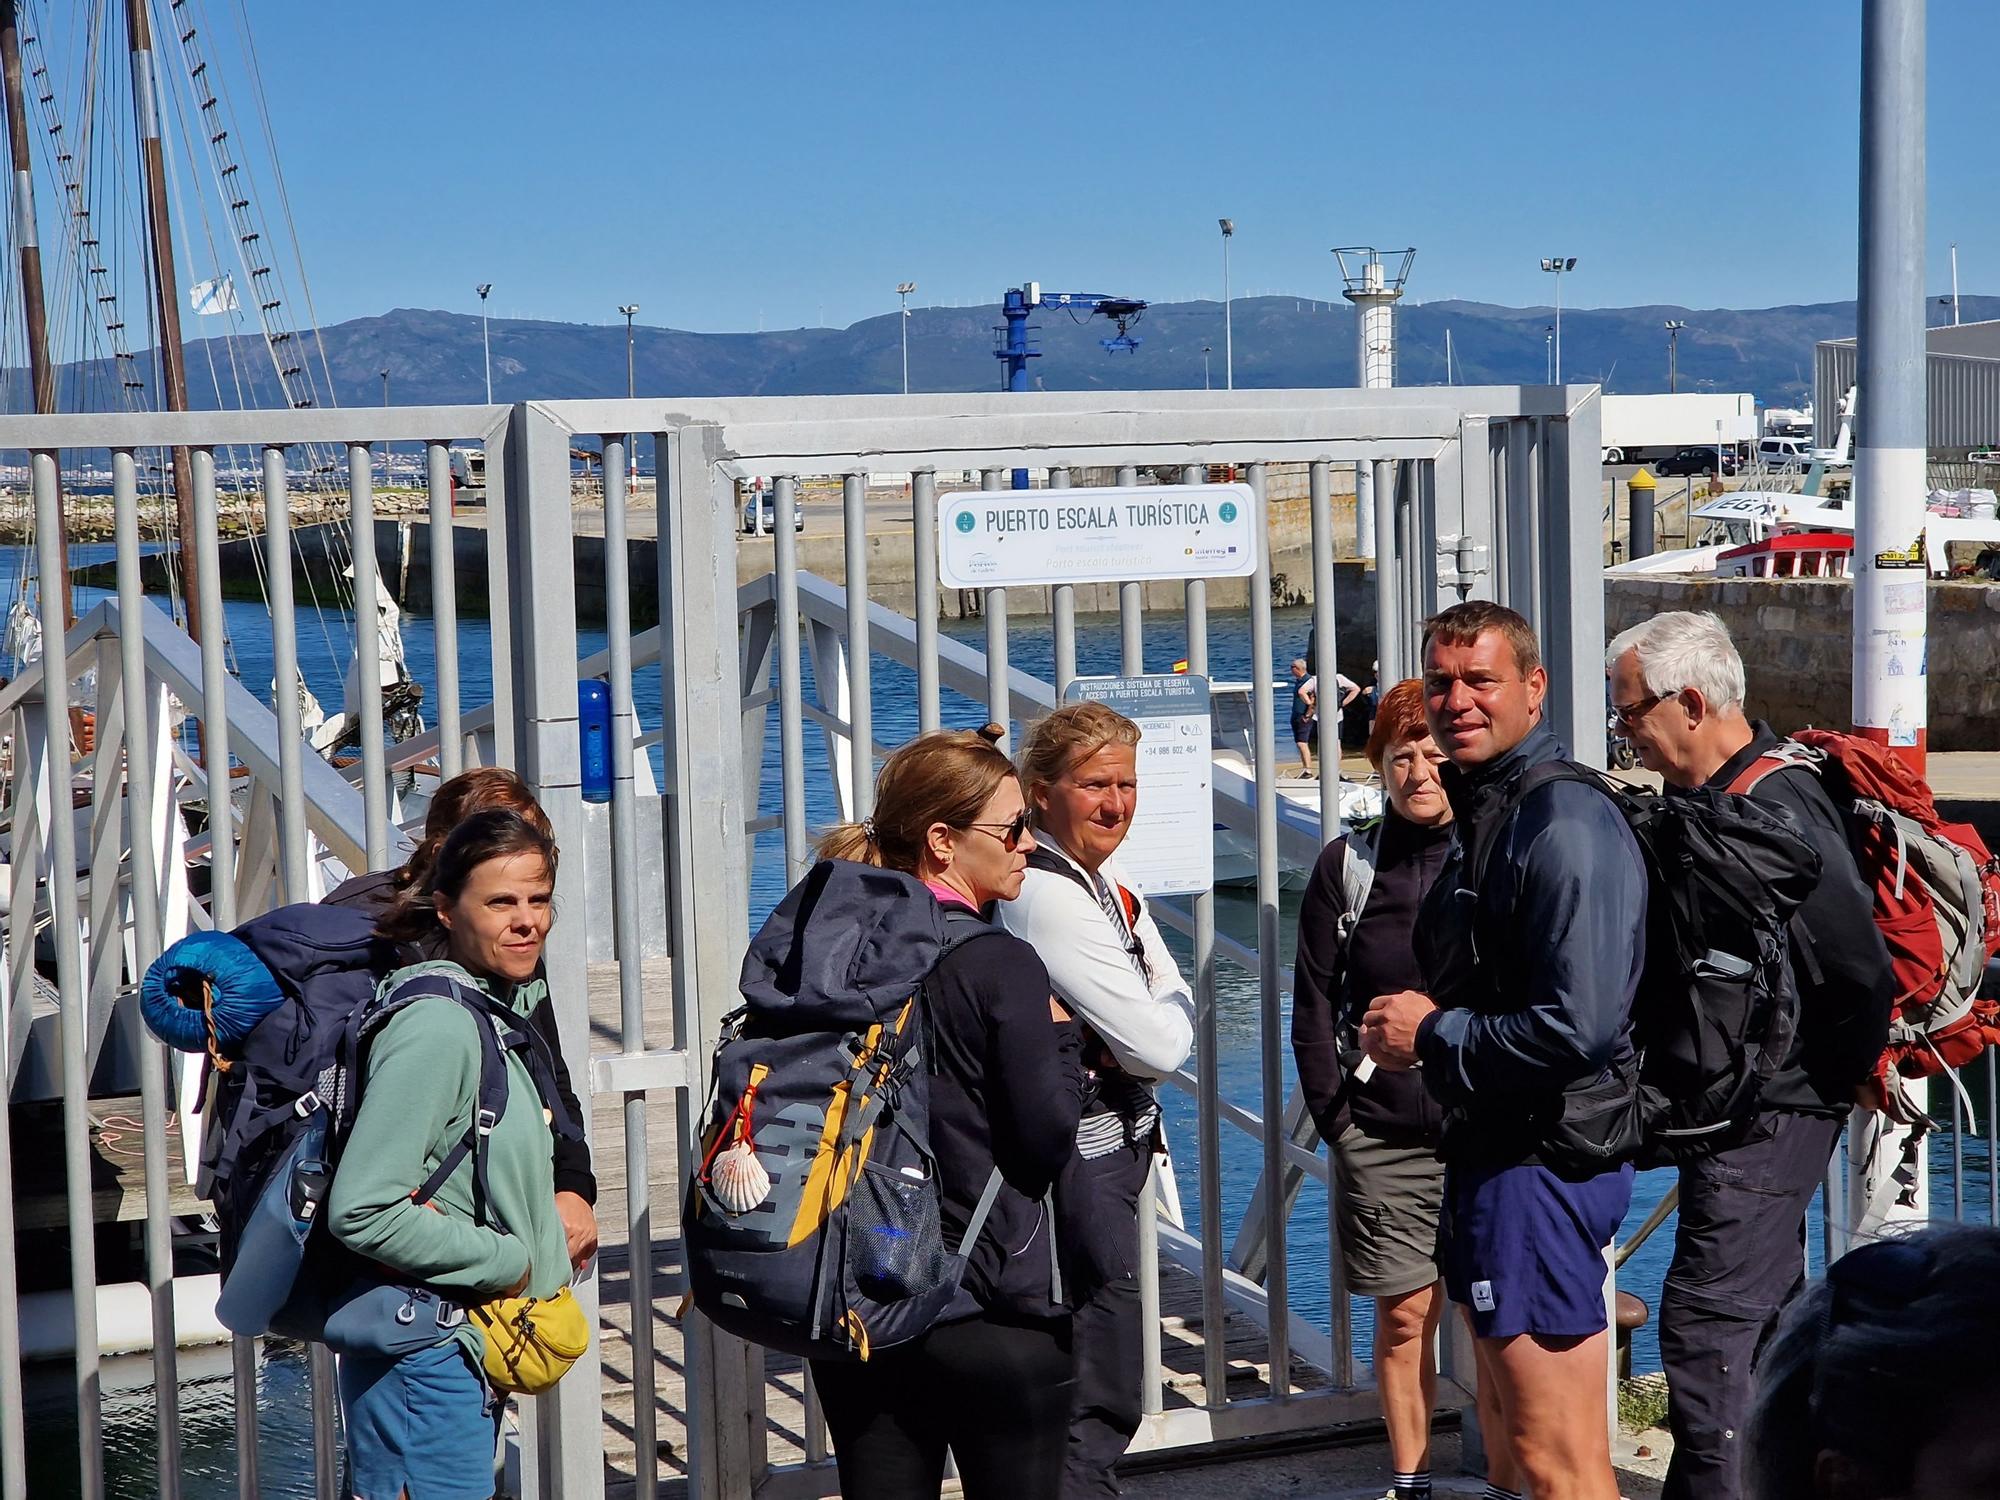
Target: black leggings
x,y
996,1394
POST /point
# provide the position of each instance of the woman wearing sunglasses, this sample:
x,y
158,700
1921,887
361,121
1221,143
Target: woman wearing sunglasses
x,y
992,1381
1110,966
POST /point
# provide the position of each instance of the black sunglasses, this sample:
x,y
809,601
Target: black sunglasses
x,y
1009,834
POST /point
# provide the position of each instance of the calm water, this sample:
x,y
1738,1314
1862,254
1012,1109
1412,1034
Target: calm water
x,y
324,644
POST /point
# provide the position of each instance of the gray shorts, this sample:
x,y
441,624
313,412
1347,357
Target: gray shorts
x,y
1386,1205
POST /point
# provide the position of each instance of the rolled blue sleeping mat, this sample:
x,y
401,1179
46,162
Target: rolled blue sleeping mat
x,y
170,996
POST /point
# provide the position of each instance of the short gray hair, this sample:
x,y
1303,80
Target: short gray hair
x,y
1685,649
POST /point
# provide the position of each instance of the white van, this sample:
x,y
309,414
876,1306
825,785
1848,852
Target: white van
x,y
1776,452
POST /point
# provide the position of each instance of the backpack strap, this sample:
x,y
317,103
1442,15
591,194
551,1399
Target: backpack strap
x,y
1357,875
1783,756
1487,832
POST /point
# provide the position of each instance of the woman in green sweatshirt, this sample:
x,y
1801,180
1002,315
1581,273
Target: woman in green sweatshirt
x,y
423,1424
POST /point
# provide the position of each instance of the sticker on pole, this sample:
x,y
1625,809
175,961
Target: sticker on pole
x,y
1170,850
1123,534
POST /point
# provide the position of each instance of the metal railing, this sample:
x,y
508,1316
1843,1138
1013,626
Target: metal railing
x,y
1493,494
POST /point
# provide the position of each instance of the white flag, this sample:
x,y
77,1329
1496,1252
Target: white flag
x,y
211,297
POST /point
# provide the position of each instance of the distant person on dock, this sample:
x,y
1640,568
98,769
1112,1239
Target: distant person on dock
x,y
1880,1382
1677,686
480,790
424,1422
1381,1125
991,1383
1531,950
1109,965
1305,714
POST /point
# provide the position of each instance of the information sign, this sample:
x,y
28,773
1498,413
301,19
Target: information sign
x,y
1123,534
1171,848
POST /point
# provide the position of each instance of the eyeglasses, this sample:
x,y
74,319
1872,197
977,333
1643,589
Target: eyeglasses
x,y
1629,714
1009,834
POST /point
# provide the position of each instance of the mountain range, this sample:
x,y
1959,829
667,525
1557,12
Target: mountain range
x,y
435,357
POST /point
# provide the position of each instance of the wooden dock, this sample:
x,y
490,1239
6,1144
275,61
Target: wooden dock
x,y
784,1395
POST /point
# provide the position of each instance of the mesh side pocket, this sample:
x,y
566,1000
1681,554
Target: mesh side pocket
x,y
895,1245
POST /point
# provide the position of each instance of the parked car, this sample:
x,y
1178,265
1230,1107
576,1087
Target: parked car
x,y
1696,461
767,501
1777,452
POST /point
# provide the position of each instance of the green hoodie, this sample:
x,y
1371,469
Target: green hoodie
x,y
422,1086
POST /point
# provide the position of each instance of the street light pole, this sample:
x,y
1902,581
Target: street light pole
x,y
1206,350
631,310
485,343
903,290
1228,334
1549,353
1558,264
385,387
1674,327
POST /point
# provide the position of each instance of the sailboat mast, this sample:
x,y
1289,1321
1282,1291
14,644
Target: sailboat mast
x,y
41,369
166,282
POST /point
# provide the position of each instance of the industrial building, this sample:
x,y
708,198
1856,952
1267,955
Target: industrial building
x,y
1964,378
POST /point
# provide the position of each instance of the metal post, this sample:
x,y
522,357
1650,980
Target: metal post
x,y
708,895
444,611
923,527
222,888
1272,1047
860,661
625,896
1208,1083
791,730
1062,613
1131,607
1891,438
145,883
368,652
294,854
1228,325
993,609
485,342
1327,666
1364,509
1390,605
1891,423
65,933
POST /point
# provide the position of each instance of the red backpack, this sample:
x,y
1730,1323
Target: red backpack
x,y
1937,895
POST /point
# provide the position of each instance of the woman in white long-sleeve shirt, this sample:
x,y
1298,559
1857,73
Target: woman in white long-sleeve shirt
x,y
1108,963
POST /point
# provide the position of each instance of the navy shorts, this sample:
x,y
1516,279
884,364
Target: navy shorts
x,y
1523,1249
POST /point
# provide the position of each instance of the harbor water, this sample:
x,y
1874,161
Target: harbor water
x,y
324,645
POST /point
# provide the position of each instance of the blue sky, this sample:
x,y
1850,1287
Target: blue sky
x,y
728,166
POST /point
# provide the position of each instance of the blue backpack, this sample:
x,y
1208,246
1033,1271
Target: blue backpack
x,y
285,1007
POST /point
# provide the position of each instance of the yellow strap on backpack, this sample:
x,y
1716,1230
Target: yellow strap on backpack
x,y
530,1342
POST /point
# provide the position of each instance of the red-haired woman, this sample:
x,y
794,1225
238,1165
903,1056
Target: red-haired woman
x,y
1382,1128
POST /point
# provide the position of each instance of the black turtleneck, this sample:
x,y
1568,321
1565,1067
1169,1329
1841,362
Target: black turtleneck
x,y
1333,983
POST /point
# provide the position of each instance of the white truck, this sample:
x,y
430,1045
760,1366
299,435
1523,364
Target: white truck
x,y
1645,429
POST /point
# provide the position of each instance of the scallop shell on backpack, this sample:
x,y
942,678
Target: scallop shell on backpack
x,y
739,1179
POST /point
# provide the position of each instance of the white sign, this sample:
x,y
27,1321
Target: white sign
x,y
1170,850
1126,534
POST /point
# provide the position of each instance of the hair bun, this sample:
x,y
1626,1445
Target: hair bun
x,y
993,734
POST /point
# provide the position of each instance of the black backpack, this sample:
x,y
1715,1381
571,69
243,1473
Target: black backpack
x,y
812,1219
1717,1008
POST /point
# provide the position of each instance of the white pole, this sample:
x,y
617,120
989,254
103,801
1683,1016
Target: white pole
x,y
1891,435
1954,283
1559,325
1447,357
1228,331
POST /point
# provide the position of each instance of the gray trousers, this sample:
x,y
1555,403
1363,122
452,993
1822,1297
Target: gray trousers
x,y
1739,1257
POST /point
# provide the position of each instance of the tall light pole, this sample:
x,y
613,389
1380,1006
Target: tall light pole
x,y
903,290
385,386
1558,264
631,311
1228,336
1206,350
1674,327
485,343
1954,283
1549,353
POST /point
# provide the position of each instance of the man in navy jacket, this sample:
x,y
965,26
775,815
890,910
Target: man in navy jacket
x,y
1531,953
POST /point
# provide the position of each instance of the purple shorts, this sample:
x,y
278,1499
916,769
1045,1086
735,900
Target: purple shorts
x,y
1523,1249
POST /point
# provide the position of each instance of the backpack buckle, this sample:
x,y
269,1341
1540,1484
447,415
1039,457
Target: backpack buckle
x,y
307,1102
485,1120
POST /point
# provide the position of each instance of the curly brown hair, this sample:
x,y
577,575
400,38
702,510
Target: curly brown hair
x,y
478,790
496,833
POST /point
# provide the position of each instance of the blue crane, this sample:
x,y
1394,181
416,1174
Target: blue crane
x,y
1021,301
